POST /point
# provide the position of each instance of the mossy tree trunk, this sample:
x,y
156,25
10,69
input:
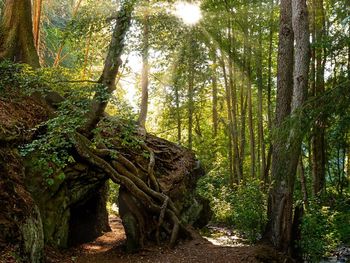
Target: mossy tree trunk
x,y
292,83
111,66
16,33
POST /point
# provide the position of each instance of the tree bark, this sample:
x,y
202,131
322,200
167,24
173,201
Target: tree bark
x,y
269,89
280,204
16,33
214,95
229,119
37,22
286,146
318,139
235,157
145,72
269,78
261,140
178,115
190,91
250,119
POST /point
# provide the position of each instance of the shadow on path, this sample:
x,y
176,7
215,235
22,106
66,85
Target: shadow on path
x,y
109,249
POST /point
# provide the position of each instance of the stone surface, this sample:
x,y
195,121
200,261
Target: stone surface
x,y
20,219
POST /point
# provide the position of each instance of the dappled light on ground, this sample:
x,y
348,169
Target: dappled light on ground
x,y
108,240
109,249
223,236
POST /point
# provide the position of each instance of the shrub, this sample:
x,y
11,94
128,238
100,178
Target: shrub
x,y
319,235
242,206
249,209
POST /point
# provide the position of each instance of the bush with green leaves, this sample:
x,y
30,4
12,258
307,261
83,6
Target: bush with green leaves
x,y
319,235
241,206
249,209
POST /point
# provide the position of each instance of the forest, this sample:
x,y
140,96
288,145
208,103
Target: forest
x,y
174,131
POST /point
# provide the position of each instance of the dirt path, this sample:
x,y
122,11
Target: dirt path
x,y
109,249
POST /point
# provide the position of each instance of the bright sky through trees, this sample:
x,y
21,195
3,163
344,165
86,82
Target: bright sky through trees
x,y
190,13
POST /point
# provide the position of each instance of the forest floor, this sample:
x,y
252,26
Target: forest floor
x,y
109,249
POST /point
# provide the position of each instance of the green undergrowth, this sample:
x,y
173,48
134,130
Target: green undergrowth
x,y
242,207
51,148
324,228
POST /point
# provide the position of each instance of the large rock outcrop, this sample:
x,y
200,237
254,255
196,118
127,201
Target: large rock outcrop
x,y
72,210
21,229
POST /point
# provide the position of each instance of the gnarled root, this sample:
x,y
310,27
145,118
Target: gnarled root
x,y
121,171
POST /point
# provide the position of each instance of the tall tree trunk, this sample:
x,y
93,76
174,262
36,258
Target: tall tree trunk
x,y
280,207
36,23
16,33
250,119
214,96
244,90
318,139
178,114
229,118
244,104
236,169
286,147
269,66
269,89
145,72
190,94
261,140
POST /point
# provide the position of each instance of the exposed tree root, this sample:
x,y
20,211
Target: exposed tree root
x,y
121,171
150,169
161,218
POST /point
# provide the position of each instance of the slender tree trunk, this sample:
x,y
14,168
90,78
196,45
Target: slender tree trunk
x,y
261,140
318,140
214,96
190,94
244,103
269,88
36,23
178,114
16,33
244,90
145,73
237,172
269,66
250,119
229,117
